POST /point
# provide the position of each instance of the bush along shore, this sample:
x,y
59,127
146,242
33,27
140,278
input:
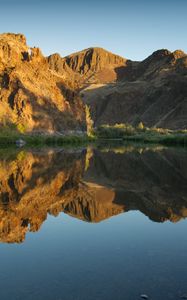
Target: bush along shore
x,y
117,132
12,137
142,134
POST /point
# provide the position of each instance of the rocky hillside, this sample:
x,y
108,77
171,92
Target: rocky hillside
x,y
153,91
92,65
32,97
39,94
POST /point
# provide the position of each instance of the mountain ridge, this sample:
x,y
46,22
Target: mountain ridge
x,y
153,91
48,94
90,65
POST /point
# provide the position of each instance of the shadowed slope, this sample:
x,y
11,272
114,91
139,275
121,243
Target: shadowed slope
x,y
154,92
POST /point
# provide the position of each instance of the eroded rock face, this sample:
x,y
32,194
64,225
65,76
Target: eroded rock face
x,y
92,65
48,94
153,91
90,185
30,94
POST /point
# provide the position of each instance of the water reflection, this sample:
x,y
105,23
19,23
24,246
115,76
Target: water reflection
x,y
91,185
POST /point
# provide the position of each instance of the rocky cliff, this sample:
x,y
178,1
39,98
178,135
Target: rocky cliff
x,y
92,65
49,94
153,91
32,97
118,90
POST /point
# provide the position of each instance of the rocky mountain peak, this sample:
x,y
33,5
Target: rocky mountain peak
x,y
92,59
93,65
19,37
178,54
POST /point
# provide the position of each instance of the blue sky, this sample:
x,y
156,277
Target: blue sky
x,y
133,29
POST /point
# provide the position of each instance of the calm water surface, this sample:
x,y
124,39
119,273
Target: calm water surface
x,y
93,223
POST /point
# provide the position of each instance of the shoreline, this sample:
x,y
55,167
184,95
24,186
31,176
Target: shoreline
x,y
40,140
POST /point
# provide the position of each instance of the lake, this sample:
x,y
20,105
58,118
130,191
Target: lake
x,y
93,223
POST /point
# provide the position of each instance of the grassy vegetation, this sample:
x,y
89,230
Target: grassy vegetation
x,y
9,137
142,134
121,132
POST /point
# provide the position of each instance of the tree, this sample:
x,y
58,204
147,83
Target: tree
x,y
140,126
89,121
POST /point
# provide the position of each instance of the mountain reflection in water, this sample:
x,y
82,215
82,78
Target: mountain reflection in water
x,y
91,185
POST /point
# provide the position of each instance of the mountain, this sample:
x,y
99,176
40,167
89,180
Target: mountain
x,y
153,91
31,95
48,94
92,65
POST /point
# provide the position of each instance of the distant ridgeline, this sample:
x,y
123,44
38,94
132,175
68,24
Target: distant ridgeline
x,y
48,94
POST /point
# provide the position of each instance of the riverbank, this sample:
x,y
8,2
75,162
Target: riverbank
x,y
42,140
142,134
169,139
115,134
